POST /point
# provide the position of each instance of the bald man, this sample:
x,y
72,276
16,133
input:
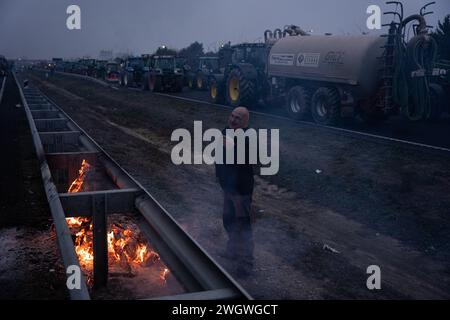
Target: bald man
x,y
236,181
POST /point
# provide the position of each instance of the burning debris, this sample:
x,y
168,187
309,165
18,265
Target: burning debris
x,y
127,249
164,274
78,182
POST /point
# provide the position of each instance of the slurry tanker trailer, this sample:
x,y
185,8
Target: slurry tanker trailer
x,y
331,76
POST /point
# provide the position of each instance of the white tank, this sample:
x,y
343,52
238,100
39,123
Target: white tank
x,y
348,60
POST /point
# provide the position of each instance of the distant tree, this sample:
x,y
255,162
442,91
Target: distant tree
x,y
165,51
192,52
210,54
442,36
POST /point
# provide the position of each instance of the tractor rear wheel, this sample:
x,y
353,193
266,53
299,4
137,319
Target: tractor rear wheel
x,y
178,87
215,92
144,84
298,103
191,83
240,89
154,83
325,106
200,81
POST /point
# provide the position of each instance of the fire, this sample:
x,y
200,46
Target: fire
x,y
164,274
78,182
125,248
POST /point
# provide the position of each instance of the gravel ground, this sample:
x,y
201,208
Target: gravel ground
x,y
30,265
375,203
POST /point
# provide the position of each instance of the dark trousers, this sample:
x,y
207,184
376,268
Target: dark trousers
x,y
237,223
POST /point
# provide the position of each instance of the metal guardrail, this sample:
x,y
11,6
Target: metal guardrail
x,y
193,267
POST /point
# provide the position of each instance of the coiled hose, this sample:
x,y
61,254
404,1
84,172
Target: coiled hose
x,y
412,93
421,54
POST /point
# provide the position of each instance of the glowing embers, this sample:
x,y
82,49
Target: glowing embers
x,y
129,254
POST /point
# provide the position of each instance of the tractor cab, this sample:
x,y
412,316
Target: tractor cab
x,y
252,53
166,73
209,64
166,64
133,64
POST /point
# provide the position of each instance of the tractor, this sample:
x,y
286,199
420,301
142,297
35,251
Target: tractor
x,y
328,77
165,73
198,78
132,72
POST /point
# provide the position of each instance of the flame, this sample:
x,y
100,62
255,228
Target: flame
x,y
78,182
124,246
164,274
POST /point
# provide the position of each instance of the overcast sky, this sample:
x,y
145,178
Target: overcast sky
x,y
37,29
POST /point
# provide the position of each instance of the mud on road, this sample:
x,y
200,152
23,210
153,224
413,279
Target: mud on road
x,y
374,203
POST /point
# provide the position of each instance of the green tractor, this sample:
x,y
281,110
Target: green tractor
x,y
99,69
243,79
198,78
165,74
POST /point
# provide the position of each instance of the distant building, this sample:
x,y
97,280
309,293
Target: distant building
x,y
106,55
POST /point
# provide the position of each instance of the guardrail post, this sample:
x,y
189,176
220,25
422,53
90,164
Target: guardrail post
x,y
100,240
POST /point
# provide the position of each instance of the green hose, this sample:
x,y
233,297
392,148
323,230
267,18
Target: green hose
x,y
412,94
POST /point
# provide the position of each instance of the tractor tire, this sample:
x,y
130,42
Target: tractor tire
x,y
191,83
216,94
178,85
298,103
144,82
437,100
154,83
240,91
144,85
325,106
200,81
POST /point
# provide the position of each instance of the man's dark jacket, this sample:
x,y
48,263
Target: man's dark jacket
x,y
236,178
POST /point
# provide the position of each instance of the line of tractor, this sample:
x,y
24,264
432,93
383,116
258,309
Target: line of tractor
x,y
323,77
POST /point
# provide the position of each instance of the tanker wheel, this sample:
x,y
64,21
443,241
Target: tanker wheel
x,y
325,106
154,84
240,89
298,103
201,85
437,98
215,94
